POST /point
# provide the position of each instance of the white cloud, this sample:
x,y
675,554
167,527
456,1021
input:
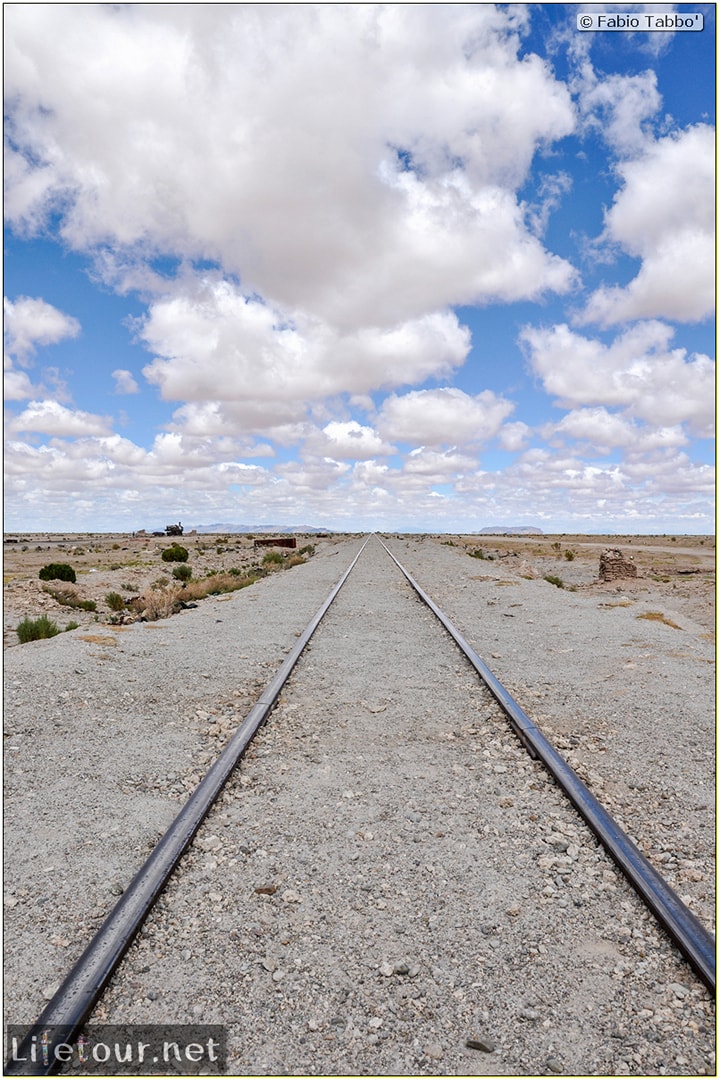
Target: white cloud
x,y
124,382
347,439
442,417
437,466
637,371
262,368
17,385
665,215
604,431
514,437
618,107
51,418
346,174
30,321
301,193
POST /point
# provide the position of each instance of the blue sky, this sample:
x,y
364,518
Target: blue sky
x,y
409,267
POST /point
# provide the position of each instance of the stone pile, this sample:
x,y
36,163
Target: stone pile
x,y
613,565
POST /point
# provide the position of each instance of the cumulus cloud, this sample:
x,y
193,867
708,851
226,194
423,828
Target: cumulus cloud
x,y
514,436
30,321
442,417
368,124
604,431
619,107
437,466
124,382
664,215
347,439
300,194
51,418
17,385
263,367
637,371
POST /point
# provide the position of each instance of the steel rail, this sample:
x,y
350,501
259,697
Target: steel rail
x,y
72,1003
694,941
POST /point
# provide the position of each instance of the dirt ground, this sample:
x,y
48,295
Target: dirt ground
x,y
677,571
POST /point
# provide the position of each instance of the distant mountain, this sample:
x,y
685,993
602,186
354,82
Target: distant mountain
x,y
505,530
232,527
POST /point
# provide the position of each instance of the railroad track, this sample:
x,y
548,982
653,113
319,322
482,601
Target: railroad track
x,y
77,997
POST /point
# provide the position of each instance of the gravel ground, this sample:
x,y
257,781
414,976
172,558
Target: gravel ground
x,y
422,883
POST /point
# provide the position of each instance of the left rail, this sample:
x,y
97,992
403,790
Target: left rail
x,y
74,1000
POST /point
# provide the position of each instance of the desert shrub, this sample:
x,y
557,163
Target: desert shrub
x,y
569,555
295,560
272,558
215,584
308,549
156,604
57,572
69,598
175,553
182,572
72,626
114,601
555,580
478,553
36,629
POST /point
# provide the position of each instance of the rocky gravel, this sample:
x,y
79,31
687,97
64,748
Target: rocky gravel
x,y
388,884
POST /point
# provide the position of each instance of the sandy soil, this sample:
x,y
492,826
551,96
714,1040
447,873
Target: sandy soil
x,y
678,570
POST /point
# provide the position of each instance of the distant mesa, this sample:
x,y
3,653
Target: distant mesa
x,y
510,530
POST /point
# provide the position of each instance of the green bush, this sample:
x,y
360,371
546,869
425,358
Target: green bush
x,y
115,601
308,549
569,555
182,573
36,629
57,572
272,558
555,580
175,553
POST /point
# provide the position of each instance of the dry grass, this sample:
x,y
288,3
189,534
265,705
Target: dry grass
x,y
98,639
158,603
218,583
161,603
657,616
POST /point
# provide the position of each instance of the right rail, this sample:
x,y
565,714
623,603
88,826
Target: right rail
x,y
674,916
